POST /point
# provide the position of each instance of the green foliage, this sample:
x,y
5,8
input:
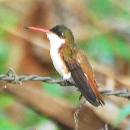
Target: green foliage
x,y
32,119
5,101
101,7
62,92
4,55
107,48
72,97
7,18
54,89
6,124
107,9
100,49
120,48
6,21
123,114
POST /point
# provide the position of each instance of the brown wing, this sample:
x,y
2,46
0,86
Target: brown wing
x,y
87,69
79,76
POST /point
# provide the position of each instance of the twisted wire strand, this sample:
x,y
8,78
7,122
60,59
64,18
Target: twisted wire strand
x,y
12,77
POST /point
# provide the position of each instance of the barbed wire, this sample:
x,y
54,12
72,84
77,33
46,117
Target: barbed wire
x,y
119,93
13,78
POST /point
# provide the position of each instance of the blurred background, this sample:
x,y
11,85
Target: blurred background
x,y
101,28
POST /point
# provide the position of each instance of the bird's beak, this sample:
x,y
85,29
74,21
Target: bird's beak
x,y
38,29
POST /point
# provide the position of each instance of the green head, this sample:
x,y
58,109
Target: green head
x,y
64,33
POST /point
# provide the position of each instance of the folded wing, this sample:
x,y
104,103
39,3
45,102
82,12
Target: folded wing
x,y
87,69
84,81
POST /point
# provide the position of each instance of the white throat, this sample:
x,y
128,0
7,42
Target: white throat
x,y
55,41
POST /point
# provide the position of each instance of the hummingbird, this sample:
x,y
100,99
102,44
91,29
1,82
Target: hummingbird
x,y
71,63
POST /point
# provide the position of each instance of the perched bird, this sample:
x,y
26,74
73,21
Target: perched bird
x,y
71,63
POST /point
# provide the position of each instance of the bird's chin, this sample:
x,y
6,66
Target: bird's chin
x,y
54,39
52,36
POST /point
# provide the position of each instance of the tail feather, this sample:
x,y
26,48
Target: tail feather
x,y
93,85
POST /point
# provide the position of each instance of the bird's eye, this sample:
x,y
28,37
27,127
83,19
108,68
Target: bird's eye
x,y
62,34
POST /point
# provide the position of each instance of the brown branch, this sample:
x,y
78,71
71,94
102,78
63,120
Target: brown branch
x,y
57,110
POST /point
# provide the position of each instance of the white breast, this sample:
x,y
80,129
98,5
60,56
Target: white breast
x,y
57,62
59,65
